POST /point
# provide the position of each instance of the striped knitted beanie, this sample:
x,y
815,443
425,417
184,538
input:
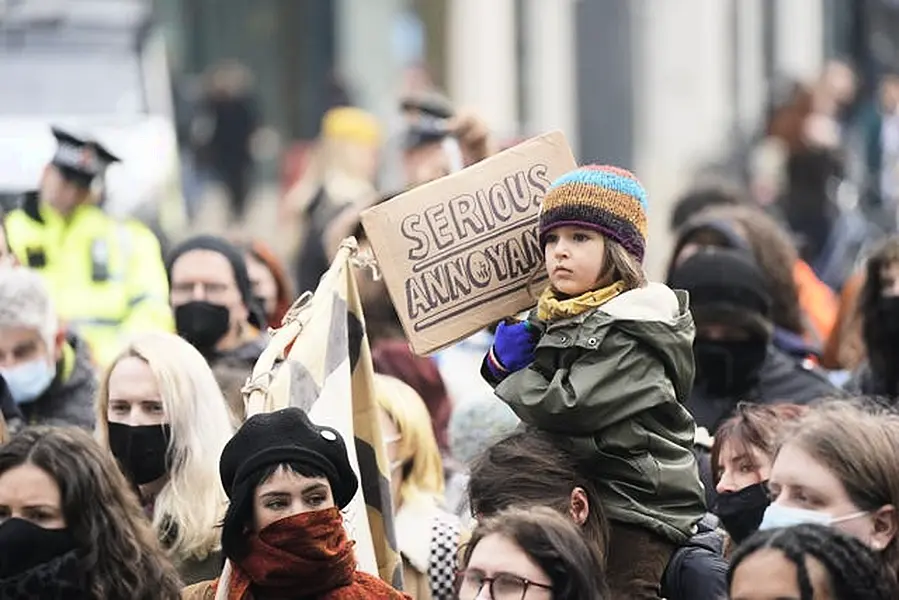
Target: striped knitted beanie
x,y
606,199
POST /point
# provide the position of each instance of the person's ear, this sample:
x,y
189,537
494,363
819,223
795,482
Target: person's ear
x,y
240,315
579,508
58,343
884,527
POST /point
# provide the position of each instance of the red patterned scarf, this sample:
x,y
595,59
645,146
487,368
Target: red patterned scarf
x,y
304,556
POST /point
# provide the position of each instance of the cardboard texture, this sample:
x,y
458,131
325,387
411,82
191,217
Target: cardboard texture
x,y
458,253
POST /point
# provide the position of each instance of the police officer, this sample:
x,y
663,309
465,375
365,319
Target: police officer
x,y
105,275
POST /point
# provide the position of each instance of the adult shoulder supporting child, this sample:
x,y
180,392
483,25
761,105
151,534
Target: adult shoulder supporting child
x,y
606,360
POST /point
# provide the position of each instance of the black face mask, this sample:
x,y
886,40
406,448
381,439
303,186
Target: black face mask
x,y
142,451
729,368
202,324
741,512
24,546
888,316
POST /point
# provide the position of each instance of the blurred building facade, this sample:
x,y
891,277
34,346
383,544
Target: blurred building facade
x,y
661,87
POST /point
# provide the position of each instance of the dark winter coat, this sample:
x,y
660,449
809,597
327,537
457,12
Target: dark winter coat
x,y
613,381
782,379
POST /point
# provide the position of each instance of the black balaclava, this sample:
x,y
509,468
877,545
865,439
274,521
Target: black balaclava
x,y
727,283
730,238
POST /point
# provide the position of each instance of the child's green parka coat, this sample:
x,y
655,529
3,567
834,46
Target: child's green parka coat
x,y
614,380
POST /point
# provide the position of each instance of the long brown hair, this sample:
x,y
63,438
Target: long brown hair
x,y
260,251
858,442
554,544
529,469
879,344
118,550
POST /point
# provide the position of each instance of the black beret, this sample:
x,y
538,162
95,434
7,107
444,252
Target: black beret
x,y
722,276
288,436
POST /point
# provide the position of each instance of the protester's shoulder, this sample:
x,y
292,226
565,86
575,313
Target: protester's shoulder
x,y
243,356
16,216
75,398
253,348
702,574
372,587
26,212
141,232
70,400
863,381
698,568
199,570
653,303
205,590
789,379
809,370
84,372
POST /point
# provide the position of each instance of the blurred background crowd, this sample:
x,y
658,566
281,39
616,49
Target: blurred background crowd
x,y
190,167
215,108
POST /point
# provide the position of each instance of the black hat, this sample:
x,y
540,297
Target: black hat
x,y
427,116
238,264
432,104
729,236
426,130
288,436
724,281
80,160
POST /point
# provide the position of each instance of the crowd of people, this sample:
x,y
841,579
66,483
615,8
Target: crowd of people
x,y
730,432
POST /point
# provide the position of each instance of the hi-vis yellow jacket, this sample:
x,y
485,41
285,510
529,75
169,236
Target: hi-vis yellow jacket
x,y
106,276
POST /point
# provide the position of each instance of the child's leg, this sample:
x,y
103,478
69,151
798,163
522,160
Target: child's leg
x,y
636,562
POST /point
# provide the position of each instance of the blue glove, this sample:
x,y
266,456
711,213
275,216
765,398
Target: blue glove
x,y
513,347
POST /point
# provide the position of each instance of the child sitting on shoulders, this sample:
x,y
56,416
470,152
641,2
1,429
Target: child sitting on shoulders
x,y
607,362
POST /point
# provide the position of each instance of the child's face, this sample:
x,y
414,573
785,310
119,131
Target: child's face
x,y
574,259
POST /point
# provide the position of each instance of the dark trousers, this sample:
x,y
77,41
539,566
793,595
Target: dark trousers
x,y
636,562
237,185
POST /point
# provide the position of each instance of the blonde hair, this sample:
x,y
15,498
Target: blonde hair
x,y
858,442
191,505
417,444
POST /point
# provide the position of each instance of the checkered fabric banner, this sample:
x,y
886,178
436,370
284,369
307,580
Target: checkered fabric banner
x,y
320,361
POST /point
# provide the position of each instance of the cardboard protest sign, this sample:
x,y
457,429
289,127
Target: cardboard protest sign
x,y
459,253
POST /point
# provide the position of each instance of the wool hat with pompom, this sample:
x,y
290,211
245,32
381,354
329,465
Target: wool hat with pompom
x,y
606,199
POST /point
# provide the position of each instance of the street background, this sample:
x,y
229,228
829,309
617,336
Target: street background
x,y
663,88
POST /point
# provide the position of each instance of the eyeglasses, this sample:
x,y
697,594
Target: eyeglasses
x,y
503,586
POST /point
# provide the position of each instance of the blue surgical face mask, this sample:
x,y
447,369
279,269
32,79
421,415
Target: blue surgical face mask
x,y
28,380
777,516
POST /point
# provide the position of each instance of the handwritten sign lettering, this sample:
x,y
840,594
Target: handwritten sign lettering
x,y
459,253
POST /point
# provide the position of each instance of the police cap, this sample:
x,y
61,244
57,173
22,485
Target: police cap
x,y
79,159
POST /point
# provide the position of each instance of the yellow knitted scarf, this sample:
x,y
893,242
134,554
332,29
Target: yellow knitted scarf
x,y
551,308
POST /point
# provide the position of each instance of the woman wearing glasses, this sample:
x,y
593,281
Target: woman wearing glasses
x,y
533,554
